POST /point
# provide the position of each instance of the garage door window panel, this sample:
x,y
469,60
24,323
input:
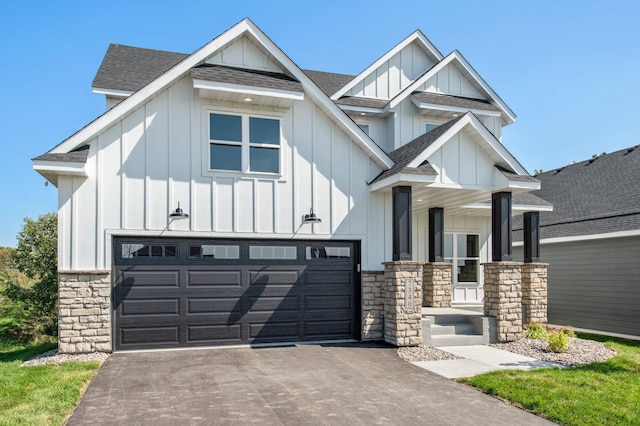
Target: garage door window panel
x,y
211,251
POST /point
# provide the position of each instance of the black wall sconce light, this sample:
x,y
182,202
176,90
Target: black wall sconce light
x,y
311,217
178,213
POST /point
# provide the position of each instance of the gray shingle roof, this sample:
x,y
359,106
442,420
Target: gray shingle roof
x,y
130,68
246,77
78,155
358,101
528,199
514,176
329,82
591,197
407,153
454,101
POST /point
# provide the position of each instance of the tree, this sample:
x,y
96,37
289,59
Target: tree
x,y
37,257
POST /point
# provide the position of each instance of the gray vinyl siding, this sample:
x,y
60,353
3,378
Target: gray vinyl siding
x,y
594,284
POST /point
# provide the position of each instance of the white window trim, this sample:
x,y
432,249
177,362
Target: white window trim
x,y
454,258
245,114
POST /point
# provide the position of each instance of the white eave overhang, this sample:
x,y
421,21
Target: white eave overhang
x,y
368,111
402,178
238,93
112,92
427,107
50,170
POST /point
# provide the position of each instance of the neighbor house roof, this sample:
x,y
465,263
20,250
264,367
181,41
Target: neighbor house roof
x,y
246,77
127,68
595,196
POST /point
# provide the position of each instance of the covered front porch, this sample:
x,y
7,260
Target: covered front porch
x,y
454,192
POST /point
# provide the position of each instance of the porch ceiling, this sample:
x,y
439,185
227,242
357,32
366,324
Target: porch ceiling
x,y
457,201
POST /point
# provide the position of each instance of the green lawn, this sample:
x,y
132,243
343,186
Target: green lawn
x,y
42,395
603,393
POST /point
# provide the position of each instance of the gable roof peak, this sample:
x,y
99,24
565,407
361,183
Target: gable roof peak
x,y
416,36
244,27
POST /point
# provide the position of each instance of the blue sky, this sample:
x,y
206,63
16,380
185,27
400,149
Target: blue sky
x,y
569,69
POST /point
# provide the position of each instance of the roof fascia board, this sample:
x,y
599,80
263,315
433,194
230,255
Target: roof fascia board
x,y
143,94
511,116
401,177
472,120
438,107
578,238
451,57
359,136
415,36
250,90
112,92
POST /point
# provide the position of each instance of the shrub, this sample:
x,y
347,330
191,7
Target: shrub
x,y
535,331
34,297
558,341
568,331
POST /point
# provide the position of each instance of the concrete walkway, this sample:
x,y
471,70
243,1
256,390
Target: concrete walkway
x,y
479,359
338,384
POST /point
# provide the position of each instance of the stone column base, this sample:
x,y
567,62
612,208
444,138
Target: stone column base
x,y
403,303
503,298
437,284
373,283
534,293
84,312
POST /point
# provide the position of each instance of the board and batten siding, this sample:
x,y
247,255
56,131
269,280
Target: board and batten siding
x,y
141,167
594,284
394,75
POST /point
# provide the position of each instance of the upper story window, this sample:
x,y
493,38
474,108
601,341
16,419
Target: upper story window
x,y
365,128
429,127
244,143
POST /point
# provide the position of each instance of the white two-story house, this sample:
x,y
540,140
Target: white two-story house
x,y
229,196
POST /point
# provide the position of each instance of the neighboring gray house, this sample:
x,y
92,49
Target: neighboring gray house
x,y
592,242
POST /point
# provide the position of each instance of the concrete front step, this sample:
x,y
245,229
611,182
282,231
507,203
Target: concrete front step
x,y
460,328
451,327
457,340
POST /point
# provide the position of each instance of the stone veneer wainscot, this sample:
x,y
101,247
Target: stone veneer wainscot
x,y
372,305
84,308
534,293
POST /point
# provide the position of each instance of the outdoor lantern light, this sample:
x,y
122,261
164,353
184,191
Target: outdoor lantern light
x,y
311,217
178,213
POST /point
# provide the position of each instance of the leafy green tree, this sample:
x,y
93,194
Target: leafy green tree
x,y
36,257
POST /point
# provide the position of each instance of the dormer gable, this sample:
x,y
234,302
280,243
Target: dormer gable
x,y
395,70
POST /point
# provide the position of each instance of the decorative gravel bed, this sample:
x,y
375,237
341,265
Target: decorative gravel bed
x,y
424,353
52,357
580,352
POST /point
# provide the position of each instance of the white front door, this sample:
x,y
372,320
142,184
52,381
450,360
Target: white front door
x,y
463,251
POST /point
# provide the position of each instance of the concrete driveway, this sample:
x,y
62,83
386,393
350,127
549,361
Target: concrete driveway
x,y
354,384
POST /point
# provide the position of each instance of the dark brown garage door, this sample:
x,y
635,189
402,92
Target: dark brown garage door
x,y
182,293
